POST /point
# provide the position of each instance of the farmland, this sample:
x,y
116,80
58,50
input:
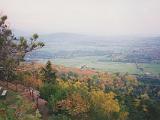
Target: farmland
x,y
92,63
135,55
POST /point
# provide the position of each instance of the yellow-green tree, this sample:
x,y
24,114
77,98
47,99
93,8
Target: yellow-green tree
x,y
103,105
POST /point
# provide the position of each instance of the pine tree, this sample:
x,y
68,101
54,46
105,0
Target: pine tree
x,y
13,50
47,73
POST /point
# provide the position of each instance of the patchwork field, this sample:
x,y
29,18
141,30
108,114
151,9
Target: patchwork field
x,y
92,62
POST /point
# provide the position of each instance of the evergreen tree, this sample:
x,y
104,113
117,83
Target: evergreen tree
x,y
47,73
13,50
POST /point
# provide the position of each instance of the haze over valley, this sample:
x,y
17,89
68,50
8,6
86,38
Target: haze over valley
x,y
115,54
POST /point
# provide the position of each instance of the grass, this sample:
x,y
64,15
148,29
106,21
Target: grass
x,y
92,62
151,68
5,104
10,97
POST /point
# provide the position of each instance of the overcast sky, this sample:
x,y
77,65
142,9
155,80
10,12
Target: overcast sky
x,y
100,17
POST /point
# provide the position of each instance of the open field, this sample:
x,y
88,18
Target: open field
x,y
92,63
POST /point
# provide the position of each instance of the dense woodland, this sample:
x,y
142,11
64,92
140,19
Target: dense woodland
x,y
71,95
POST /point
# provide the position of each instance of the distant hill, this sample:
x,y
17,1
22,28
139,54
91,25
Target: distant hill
x,y
122,49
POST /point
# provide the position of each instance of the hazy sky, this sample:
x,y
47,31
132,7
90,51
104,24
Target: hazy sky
x,y
101,17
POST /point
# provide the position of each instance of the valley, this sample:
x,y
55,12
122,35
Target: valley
x,y
135,55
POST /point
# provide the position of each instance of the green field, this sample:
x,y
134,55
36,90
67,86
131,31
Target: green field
x,y
92,62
